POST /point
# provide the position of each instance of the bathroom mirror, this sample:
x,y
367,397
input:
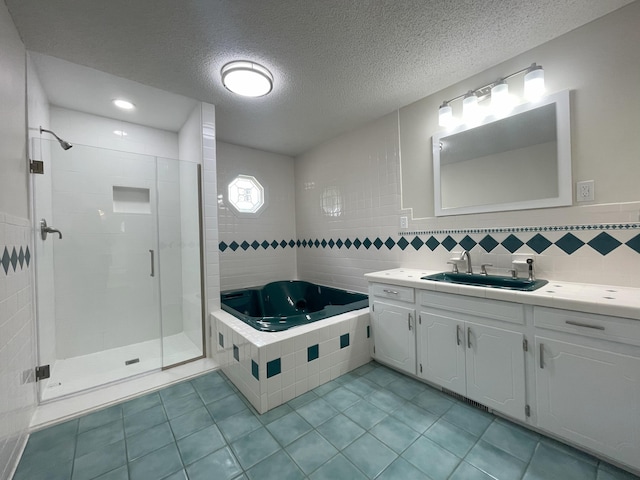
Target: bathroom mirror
x,y
515,162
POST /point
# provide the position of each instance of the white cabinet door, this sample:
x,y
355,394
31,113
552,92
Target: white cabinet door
x,y
394,337
441,349
495,368
590,396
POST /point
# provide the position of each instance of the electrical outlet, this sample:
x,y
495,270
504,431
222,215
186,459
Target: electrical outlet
x,y
404,222
585,191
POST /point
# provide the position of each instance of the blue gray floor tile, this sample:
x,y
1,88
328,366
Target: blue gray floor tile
x,y
370,423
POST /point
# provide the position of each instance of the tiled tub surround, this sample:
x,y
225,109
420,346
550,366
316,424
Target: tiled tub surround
x,y
370,423
563,352
271,368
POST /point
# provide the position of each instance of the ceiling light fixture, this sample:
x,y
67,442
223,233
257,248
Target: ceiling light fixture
x,y
247,78
501,101
123,104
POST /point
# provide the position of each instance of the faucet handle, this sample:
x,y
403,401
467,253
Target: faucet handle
x,y
514,273
483,268
454,269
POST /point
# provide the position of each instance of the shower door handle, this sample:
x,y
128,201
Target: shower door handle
x,y
153,270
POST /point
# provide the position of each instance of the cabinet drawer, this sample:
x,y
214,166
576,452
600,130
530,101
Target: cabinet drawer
x,y
591,325
480,307
395,292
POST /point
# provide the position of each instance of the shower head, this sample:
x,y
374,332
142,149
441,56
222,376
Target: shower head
x,y
63,143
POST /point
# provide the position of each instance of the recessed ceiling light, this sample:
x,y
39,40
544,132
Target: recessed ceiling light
x,y
120,133
123,104
247,78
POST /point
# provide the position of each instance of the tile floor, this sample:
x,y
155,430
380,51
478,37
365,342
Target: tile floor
x,y
370,423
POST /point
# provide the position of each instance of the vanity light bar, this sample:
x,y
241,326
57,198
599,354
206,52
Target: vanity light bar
x,y
499,93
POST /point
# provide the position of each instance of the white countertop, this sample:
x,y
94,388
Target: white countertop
x,y
583,297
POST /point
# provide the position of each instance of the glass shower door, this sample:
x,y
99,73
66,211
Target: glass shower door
x,y
105,285
180,261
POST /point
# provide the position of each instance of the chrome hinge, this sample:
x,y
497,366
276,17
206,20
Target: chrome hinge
x,y
527,410
420,368
42,372
525,345
36,166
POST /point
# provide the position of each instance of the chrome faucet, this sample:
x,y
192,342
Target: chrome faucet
x,y
467,256
46,229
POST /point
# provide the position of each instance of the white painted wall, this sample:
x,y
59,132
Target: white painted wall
x,y
384,171
275,221
17,330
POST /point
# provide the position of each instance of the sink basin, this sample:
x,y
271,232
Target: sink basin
x,y
491,281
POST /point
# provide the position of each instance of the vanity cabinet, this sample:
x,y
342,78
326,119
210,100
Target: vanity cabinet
x,y
393,320
470,354
588,387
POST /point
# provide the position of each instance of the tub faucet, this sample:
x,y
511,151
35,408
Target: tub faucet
x,y
467,256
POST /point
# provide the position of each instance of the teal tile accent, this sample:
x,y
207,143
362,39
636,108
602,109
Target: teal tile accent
x,y
467,242
338,468
370,455
234,246
277,467
389,243
472,420
222,246
254,447
417,243
191,422
394,434
539,243
432,243
344,340
222,462
569,243
200,444
378,243
254,370
498,463
273,368
99,437
236,353
604,243
512,243
403,243
449,243
634,243
339,243
100,461
488,243
431,458
225,407
311,451
317,412
357,243
158,464
313,352
366,243
365,414
288,428
340,431
454,439
149,440
348,243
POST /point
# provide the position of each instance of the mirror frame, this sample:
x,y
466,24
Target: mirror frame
x,y
563,135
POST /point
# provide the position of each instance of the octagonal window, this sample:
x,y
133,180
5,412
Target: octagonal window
x,y
246,194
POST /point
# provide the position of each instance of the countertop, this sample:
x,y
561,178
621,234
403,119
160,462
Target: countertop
x,y
583,297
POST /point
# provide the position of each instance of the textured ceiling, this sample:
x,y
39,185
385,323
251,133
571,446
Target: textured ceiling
x,y
337,64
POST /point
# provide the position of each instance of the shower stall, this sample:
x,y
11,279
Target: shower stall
x,y
119,281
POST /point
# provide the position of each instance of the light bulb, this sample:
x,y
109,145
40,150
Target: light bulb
x,y
445,115
534,83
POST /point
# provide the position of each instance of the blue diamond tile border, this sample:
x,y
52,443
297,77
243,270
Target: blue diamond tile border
x,y
603,241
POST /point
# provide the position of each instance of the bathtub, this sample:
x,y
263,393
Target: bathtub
x,y
281,305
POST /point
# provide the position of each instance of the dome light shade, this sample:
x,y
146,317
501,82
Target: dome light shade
x,y
247,78
500,100
445,115
470,107
123,104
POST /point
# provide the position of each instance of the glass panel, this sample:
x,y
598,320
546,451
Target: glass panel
x,y
179,261
106,301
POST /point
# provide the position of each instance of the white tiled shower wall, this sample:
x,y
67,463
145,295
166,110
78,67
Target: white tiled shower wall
x,y
17,347
275,220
